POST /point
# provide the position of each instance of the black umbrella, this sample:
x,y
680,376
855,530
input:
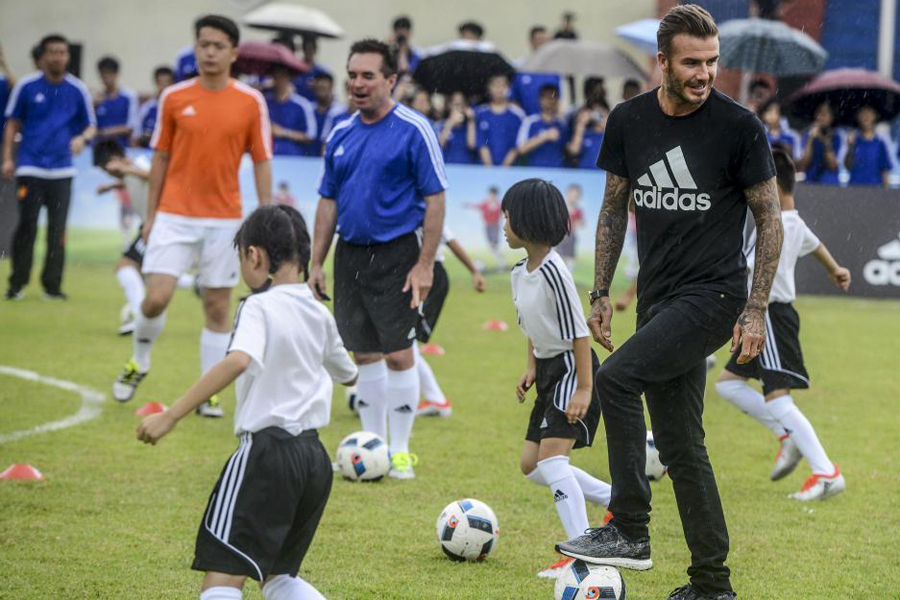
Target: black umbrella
x,y
461,66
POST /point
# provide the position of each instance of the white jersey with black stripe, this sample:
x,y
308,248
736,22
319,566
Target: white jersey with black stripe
x,y
547,305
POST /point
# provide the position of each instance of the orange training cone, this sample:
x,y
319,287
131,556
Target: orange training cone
x,y
434,349
21,472
151,408
495,325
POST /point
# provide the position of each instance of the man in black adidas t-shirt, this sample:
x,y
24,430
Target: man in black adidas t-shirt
x,y
692,161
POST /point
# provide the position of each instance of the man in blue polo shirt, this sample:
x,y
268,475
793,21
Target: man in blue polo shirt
x,y
497,124
383,191
293,121
163,77
116,107
186,64
53,112
327,108
542,137
303,82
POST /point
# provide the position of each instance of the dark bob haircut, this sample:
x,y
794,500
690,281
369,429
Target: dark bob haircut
x,y
279,230
537,212
106,149
223,24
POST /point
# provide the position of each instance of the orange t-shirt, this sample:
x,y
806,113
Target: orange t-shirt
x,y
205,133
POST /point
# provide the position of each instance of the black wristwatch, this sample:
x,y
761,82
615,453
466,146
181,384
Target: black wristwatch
x,y
595,295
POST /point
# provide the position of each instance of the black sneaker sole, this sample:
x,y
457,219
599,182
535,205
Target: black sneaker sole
x,y
634,564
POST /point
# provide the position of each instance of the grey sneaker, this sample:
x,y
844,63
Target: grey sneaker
x,y
786,460
607,546
687,592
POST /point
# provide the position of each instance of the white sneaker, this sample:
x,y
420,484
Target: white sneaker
x,y
402,465
126,383
556,569
126,320
821,487
786,460
211,408
432,408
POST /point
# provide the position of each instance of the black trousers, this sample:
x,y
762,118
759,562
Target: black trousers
x,y
665,361
33,193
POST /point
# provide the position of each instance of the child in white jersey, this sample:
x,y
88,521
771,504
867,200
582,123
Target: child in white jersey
x,y
560,362
284,352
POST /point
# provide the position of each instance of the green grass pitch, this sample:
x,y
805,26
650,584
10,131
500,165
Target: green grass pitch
x,y
117,519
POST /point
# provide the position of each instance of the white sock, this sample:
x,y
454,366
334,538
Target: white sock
x,y
186,281
427,382
285,587
372,397
566,493
801,431
222,593
594,490
133,285
403,399
213,347
751,402
146,330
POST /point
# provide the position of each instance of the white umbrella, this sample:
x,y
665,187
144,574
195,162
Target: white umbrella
x,y
579,57
294,18
640,34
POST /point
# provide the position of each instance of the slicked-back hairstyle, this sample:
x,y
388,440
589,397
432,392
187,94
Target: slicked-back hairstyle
x,y
536,211
785,173
223,24
279,230
108,63
373,46
687,18
53,38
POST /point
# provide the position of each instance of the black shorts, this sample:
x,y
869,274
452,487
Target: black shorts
x,y
780,365
137,248
264,510
431,310
555,380
371,310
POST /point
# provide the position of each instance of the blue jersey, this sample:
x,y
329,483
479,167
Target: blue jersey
x,y
296,114
51,115
548,154
818,171
870,160
325,120
146,121
498,131
119,110
526,89
185,65
302,81
4,98
785,139
456,151
590,149
379,175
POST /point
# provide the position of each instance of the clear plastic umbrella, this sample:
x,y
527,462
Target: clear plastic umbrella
x,y
294,18
579,57
769,47
640,34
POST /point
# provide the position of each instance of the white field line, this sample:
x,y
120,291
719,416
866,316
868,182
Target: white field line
x,y
91,404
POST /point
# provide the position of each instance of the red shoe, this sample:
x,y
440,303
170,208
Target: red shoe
x,y
432,408
554,570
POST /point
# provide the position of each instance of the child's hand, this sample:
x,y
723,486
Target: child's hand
x,y
478,282
841,278
578,405
154,427
525,383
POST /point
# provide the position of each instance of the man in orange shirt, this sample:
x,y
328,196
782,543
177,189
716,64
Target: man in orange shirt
x,y
205,126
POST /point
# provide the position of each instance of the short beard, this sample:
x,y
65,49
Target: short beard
x,y
675,90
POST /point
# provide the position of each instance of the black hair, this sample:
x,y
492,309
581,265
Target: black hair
x,y
590,83
535,30
472,27
765,106
223,24
758,83
323,75
402,23
108,63
373,46
279,230
494,189
37,51
785,173
53,38
163,70
286,40
107,149
536,211
549,87
631,83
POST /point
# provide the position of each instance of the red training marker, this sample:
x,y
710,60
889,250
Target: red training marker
x,y
434,349
495,325
21,472
151,408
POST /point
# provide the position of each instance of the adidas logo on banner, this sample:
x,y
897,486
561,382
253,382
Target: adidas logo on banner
x,y
660,177
559,496
884,270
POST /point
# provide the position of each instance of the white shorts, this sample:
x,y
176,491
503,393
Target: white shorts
x,y
178,243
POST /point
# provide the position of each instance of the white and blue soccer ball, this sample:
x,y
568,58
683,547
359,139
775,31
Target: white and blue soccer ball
x,y
467,530
363,456
655,469
581,581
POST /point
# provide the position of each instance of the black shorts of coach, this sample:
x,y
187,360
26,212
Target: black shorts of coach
x,y
780,365
556,381
434,303
371,309
266,506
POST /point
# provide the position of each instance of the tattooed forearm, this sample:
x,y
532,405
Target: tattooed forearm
x,y
762,199
611,226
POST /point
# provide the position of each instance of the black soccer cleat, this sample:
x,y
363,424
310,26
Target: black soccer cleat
x,y
607,546
687,592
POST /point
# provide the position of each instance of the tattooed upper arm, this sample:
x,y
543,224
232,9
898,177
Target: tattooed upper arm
x,y
611,226
762,199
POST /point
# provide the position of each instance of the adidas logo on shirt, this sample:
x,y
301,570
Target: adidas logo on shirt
x,y
189,111
559,496
666,194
